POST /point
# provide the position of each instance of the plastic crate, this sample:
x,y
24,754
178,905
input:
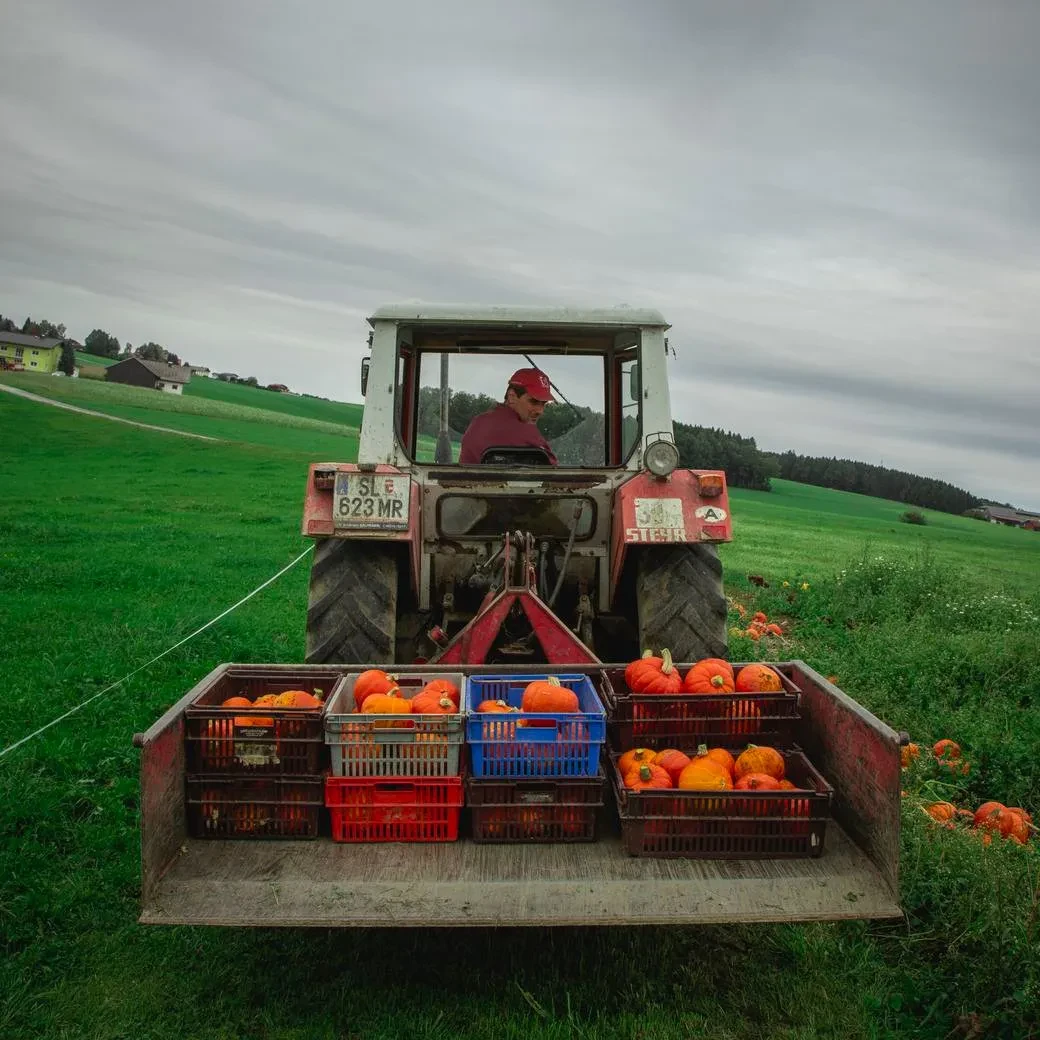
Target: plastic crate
x,y
728,824
534,811
370,809
237,741
393,745
686,720
533,744
253,807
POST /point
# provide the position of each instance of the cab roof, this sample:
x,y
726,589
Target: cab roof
x,y
467,314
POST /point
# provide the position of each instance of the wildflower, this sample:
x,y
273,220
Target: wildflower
x,y
786,584
805,586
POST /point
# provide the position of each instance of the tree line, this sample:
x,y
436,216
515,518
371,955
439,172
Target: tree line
x,y
876,481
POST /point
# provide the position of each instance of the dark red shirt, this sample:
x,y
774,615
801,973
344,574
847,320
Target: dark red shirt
x,y
501,427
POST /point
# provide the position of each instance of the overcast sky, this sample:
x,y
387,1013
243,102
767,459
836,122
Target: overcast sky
x,y
836,205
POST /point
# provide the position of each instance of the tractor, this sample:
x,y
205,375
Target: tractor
x,y
419,558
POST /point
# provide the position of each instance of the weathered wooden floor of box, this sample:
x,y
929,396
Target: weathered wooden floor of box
x,y
323,884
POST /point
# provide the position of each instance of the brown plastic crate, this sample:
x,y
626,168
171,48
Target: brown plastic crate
x,y
258,807
686,720
229,741
507,810
728,824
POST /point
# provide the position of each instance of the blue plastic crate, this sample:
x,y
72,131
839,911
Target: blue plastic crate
x,y
533,743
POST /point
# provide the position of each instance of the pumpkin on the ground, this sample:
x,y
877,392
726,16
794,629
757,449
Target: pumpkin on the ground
x,y
907,755
654,675
941,812
995,817
759,759
946,749
758,678
709,676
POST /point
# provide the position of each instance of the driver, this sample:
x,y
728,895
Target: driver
x,y
512,424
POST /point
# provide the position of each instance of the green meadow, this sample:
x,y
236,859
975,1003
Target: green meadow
x,y
119,541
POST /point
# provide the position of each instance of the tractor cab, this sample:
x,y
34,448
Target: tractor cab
x,y
590,539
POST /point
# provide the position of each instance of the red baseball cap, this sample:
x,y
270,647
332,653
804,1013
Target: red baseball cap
x,y
534,381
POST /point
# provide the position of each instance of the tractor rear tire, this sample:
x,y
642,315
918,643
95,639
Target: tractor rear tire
x,y
352,603
681,602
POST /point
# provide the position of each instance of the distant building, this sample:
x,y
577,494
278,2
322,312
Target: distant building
x,y
227,377
32,353
155,375
280,388
199,370
1011,517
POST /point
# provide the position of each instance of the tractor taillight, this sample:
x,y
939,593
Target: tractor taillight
x,y
709,484
324,479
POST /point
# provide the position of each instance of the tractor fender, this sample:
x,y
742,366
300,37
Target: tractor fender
x,y
657,511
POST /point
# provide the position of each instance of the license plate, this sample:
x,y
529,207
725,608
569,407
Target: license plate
x,y
371,501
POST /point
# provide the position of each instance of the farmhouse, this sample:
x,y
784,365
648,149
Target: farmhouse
x,y
156,375
199,370
1011,517
33,353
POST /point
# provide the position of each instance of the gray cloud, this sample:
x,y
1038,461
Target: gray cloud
x,y
834,204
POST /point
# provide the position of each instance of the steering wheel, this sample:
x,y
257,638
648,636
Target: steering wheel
x,y
513,456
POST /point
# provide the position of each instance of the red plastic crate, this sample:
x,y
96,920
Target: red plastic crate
x,y
728,824
686,720
253,807
369,809
534,811
252,741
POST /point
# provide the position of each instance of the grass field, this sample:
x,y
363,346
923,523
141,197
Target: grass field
x,y
118,542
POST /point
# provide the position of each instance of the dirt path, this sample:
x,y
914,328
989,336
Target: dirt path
x,y
100,415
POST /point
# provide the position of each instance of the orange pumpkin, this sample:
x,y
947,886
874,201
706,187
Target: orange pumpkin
x,y
268,700
374,680
709,676
702,774
757,678
941,812
494,707
759,759
237,702
722,756
759,616
444,686
296,699
634,757
757,782
946,749
647,777
995,817
654,675
1020,826
673,762
547,695
430,702
386,704
907,755
786,785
